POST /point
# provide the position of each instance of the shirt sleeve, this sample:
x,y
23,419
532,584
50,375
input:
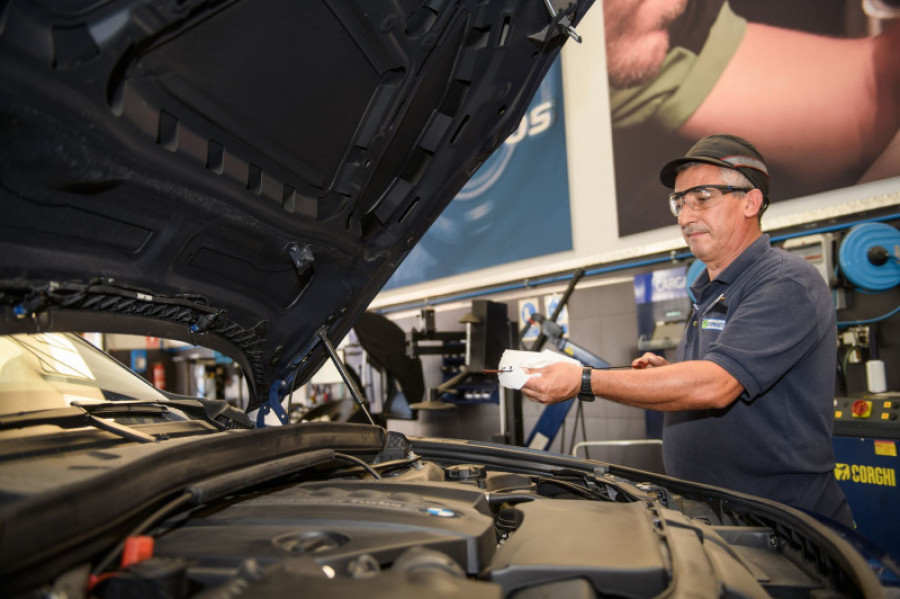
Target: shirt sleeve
x,y
701,49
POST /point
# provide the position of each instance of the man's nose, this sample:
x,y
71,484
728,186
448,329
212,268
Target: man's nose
x,y
687,214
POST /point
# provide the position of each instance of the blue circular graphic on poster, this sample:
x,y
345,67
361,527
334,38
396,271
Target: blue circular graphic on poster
x,y
515,206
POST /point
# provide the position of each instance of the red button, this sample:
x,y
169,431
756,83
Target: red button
x,y
861,408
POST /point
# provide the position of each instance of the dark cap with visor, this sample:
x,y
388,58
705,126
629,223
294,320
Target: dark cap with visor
x,y
728,151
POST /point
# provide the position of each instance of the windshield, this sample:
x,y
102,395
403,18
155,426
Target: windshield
x,y
52,370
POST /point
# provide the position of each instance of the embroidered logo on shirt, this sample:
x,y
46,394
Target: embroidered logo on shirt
x,y
716,324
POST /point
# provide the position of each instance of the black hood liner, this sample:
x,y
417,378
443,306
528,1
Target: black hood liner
x,y
244,176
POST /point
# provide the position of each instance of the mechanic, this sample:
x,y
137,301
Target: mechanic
x,y
749,400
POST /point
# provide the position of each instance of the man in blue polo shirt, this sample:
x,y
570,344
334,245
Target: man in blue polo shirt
x,y
749,400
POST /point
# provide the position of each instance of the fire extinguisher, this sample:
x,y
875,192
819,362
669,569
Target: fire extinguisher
x,y
159,375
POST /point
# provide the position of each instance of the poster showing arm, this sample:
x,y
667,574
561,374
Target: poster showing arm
x,y
821,108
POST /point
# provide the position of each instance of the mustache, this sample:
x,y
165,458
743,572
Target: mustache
x,y
690,229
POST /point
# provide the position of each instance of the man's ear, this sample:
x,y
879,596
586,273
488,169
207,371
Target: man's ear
x,y
755,201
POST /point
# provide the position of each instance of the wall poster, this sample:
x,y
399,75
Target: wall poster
x,y
806,81
516,206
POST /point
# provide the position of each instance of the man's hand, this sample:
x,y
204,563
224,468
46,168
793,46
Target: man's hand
x,y
553,383
649,360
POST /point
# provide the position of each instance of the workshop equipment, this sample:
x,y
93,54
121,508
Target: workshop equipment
x,y
869,256
465,355
866,443
553,416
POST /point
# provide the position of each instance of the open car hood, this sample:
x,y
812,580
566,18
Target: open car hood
x,y
239,175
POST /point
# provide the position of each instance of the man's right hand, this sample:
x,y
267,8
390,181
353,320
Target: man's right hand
x,y
649,360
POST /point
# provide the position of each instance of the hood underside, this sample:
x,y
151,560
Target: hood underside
x,y
244,176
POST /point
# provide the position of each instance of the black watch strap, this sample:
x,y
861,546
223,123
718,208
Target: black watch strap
x,y
586,394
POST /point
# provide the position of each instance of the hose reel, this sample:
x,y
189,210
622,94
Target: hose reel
x,y
869,256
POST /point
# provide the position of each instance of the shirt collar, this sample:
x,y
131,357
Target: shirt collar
x,y
727,276
745,259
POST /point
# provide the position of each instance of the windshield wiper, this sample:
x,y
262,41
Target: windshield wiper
x,y
217,412
80,415
114,427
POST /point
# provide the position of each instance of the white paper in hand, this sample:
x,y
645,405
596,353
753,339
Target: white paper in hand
x,y
513,361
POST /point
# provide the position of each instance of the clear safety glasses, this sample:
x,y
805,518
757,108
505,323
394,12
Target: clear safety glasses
x,y
700,197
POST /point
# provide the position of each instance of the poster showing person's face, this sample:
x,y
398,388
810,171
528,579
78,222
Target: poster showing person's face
x,y
814,85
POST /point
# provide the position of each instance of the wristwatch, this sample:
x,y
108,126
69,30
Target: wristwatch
x,y
585,394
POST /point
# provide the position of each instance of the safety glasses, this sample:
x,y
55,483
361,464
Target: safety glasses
x,y
700,197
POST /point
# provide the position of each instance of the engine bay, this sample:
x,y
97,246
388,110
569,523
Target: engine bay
x,y
420,528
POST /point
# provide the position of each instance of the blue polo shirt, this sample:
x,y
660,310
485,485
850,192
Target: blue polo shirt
x,y
767,319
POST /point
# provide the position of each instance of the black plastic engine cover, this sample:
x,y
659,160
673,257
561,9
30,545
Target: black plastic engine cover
x,y
335,522
616,546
